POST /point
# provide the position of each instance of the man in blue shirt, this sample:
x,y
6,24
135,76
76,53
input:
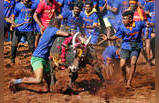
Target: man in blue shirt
x,y
8,11
121,6
112,11
71,19
65,4
106,8
91,24
95,4
40,57
22,23
131,36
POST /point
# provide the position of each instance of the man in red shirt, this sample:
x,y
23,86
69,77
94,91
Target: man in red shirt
x,y
46,10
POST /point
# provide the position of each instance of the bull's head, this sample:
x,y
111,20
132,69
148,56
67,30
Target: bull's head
x,y
83,40
80,50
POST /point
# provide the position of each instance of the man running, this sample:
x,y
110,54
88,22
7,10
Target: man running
x,y
46,11
131,43
40,58
22,22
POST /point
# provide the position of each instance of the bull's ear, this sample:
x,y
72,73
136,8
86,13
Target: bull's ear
x,y
88,40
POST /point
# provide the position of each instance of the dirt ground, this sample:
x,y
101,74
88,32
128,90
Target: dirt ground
x,y
87,89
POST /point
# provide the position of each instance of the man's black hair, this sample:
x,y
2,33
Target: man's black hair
x,y
134,0
89,3
129,12
79,5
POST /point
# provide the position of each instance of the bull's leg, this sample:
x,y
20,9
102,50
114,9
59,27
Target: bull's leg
x,y
52,72
47,78
53,79
99,74
73,76
74,69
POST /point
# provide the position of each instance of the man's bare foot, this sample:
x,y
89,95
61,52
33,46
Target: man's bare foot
x,y
129,87
125,81
12,86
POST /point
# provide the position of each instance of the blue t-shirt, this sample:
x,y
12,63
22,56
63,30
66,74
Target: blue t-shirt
x,y
150,7
131,38
23,14
9,7
66,4
74,23
90,20
142,3
45,43
110,52
121,6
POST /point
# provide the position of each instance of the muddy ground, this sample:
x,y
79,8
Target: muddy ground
x,y
87,89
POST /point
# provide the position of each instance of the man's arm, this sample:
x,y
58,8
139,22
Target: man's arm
x,y
116,36
12,17
62,33
35,16
104,37
113,9
102,5
147,30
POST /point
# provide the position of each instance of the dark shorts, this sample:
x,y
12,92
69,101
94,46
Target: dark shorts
x,y
127,54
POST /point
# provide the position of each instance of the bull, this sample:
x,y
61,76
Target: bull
x,y
76,53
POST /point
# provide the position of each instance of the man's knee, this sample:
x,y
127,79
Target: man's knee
x,y
133,61
147,43
39,80
153,35
39,75
122,63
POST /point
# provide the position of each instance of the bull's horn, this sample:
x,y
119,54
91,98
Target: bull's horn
x,y
88,40
74,39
